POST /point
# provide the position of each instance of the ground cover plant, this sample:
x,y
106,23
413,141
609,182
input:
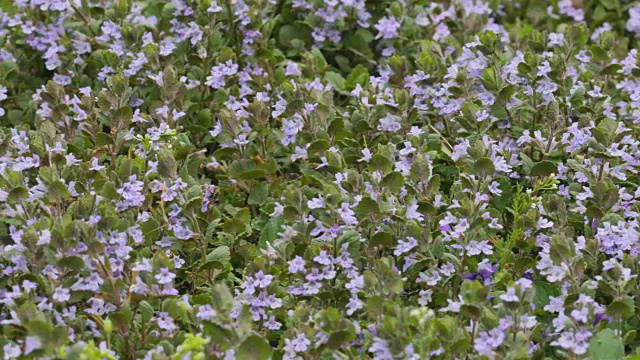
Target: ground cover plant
x,y
319,179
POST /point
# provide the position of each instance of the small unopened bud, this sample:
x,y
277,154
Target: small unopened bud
x,y
108,326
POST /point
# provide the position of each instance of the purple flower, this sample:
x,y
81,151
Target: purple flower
x,y
387,28
602,317
487,341
206,312
510,295
412,211
165,276
389,124
272,324
296,265
131,193
316,203
354,304
323,258
61,294
95,166
217,129
477,248
262,280
485,273
31,343
528,274
577,342
556,39
380,349
298,344
405,246
165,322
11,351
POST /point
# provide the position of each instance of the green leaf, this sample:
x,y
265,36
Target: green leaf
x,y
210,265
381,239
543,291
73,263
125,168
524,69
578,97
118,83
259,194
474,293
393,181
367,206
319,145
271,229
359,75
123,115
336,80
318,59
461,346
150,228
59,336
381,163
598,53
505,94
553,112
172,307
426,207
221,253
222,297
599,14
420,168
610,5
612,218
606,345
471,311
109,191
146,310
621,308
484,166
254,348
252,174
243,169
122,318
630,337
594,212
579,34
605,131
611,69
202,299
488,38
216,332
490,79
244,323
358,42
104,139
57,191
288,33
17,194
544,168
167,165
239,223
340,338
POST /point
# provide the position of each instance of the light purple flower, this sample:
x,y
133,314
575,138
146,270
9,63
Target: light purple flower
x,y
387,28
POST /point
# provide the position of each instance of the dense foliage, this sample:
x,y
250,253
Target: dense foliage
x,y
319,179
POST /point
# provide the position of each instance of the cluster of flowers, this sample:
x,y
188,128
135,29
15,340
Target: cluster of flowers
x,y
315,179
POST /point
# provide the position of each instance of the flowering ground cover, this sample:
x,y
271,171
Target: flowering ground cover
x,y
319,179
